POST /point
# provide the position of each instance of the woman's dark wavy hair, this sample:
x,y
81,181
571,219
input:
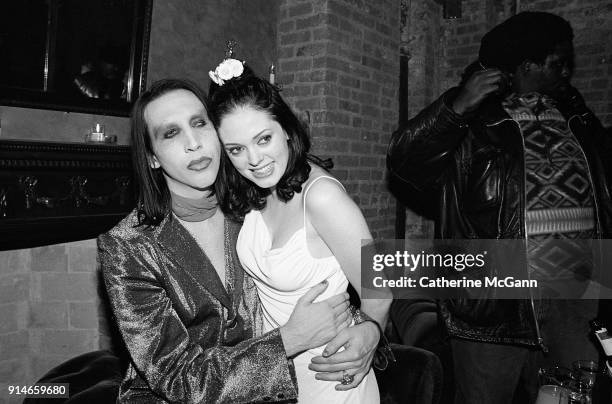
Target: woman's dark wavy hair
x,y
153,195
237,194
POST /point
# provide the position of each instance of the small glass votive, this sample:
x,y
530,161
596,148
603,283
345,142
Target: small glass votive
x,y
575,393
588,370
96,134
551,394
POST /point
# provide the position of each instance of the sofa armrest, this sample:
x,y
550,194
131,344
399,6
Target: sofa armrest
x,y
93,378
415,377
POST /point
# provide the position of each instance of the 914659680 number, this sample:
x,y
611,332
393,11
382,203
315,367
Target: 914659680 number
x,y
41,390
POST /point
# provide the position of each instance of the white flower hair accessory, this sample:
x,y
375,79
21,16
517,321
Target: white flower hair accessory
x,y
227,70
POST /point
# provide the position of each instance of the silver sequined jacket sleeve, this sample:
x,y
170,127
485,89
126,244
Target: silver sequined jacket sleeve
x,y
185,345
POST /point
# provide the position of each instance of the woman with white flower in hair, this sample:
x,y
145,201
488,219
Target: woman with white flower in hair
x,y
300,226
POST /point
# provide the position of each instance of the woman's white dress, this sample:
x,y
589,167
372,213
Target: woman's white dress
x,y
282,275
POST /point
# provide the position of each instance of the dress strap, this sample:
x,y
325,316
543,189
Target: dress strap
x,y
308,187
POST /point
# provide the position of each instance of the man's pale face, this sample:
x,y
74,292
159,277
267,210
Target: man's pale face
x,y
184,142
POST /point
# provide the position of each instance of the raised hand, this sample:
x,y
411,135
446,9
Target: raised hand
x,y
479,86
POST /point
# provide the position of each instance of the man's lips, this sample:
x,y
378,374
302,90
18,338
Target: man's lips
x,y
199,164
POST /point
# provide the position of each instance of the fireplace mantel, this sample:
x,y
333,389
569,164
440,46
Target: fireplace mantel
x,y
58,192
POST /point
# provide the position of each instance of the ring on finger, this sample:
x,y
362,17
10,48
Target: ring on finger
x,y
346,378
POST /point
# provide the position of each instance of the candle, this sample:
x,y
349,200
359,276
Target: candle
x,y
96,134
272,74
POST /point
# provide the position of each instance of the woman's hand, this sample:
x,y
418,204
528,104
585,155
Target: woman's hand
x,y
359,342
314,324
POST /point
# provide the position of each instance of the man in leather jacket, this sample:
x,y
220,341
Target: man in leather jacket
x,y
480,151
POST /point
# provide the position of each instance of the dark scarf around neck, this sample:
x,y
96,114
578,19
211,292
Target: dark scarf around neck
x,y
194,209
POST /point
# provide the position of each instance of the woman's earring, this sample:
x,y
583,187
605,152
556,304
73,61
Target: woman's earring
x,y
154,163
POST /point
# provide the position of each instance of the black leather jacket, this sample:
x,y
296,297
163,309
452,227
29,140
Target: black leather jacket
x,y
471,172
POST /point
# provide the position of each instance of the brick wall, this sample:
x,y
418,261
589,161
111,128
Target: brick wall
x,y
421,28
339,67
48,309
188,37
420,41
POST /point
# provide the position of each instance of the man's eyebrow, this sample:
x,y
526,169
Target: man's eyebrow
x,y
164,125
157,129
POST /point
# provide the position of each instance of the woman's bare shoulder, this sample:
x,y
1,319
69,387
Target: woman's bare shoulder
x,y
317,172
323,190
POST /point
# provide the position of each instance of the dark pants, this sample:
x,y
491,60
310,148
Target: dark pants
x,y
567,333
493,373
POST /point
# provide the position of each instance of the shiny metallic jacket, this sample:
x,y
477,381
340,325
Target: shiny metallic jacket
x,y
189,339
468,175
